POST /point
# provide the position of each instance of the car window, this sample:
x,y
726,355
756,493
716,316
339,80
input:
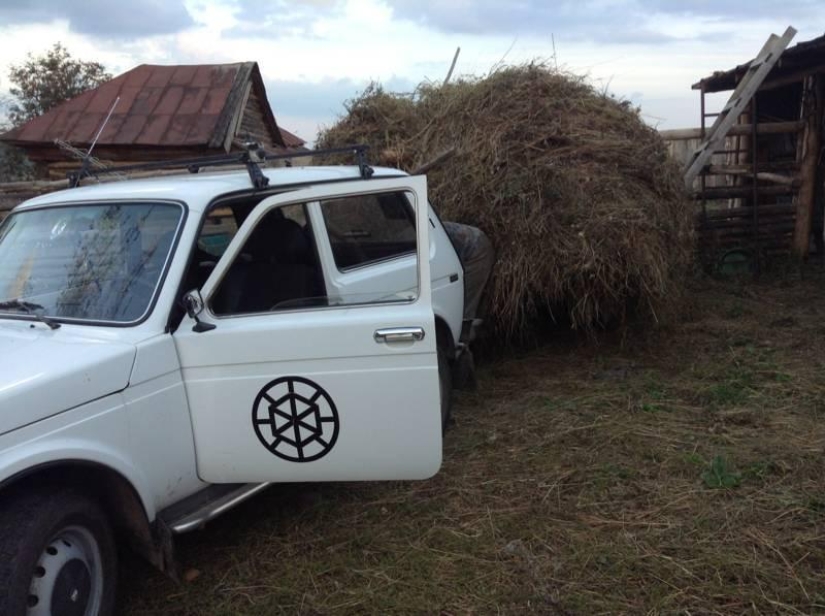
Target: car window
x,y
278,267
90,262
221,226
369,228
218,230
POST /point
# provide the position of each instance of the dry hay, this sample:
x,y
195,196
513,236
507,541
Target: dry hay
x,y
585,209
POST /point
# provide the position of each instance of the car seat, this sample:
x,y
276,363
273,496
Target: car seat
x,y
280,269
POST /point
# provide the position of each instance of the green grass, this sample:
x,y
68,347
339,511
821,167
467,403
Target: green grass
x,y
692,482
720,475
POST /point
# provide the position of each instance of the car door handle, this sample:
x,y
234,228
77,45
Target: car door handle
x,y
399,334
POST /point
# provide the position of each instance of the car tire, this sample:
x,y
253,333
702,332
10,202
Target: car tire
x,y
445,388
57,555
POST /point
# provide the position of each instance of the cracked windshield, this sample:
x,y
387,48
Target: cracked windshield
x,y
97,262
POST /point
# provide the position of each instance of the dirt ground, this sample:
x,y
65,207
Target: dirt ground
x,y
676,471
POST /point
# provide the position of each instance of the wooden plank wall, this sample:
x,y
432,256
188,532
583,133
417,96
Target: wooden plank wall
x,y
9,201
253,123
682,150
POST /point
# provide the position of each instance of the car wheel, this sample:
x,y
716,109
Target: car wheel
x,y
445,387
57,555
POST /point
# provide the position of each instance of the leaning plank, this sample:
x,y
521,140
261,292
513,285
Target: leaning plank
x,y
748,85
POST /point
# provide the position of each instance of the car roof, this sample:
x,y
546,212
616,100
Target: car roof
x,y
197,190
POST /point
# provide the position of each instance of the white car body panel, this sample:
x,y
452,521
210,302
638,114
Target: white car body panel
x,y
45,372
97,433
160,427
155,406
386,395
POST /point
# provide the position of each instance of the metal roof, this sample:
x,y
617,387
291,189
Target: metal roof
x,y
805,55
158,106
291,140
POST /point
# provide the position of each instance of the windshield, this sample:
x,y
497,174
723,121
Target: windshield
x,y
91,262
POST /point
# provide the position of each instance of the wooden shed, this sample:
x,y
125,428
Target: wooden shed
x,y
154,113
759,178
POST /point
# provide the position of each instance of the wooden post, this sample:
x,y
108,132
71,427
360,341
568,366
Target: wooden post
x,y
810,147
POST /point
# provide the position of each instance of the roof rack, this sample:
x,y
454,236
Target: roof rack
x,y
252,156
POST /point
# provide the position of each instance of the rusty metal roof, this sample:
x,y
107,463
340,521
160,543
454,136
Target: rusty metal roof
x,y
182,106
800,57
291,140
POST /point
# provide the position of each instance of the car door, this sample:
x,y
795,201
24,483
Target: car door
x,y
292,385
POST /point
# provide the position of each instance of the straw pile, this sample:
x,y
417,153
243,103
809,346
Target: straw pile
x,y
585,209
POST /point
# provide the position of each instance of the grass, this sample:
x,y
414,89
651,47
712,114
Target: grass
x,y
681,471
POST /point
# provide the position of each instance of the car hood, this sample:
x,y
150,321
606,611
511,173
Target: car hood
x,y
44,372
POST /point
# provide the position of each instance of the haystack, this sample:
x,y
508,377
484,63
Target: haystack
x,y
585,209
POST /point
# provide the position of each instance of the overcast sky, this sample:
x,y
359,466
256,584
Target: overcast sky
x,y
316,54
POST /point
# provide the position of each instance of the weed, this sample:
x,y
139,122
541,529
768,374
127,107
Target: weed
x,y
728,393
719,475
695,459
655,389
618,471
650,407
759,470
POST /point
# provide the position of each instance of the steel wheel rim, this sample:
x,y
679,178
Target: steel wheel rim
x,y
68,574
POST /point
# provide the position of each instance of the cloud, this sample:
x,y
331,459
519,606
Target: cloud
x,y
603,21
322,99
325,98
280,18
737,9
102,18
305,107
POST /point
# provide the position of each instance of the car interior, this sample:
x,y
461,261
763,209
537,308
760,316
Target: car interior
x,y
279,267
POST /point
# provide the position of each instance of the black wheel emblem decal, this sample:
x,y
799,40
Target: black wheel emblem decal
x,y
295,419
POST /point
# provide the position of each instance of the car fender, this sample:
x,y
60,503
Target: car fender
x,y
96,434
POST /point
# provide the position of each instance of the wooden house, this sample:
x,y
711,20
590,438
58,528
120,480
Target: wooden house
x,y
149,113
156,113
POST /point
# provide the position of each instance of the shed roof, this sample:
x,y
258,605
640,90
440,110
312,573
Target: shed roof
x,y
806,56
291,140
187,105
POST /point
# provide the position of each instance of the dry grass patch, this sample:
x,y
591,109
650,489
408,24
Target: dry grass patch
x,y
677,473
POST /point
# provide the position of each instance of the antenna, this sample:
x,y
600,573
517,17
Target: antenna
x,y
102,126
74,178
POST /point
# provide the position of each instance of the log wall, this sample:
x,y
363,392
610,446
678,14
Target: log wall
x,y
253,124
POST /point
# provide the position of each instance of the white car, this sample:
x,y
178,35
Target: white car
x,y
170,346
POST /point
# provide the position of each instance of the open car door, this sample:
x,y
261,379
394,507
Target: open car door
x,y
292,385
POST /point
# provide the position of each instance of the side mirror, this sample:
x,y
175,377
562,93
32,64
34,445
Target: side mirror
x,y
193,304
